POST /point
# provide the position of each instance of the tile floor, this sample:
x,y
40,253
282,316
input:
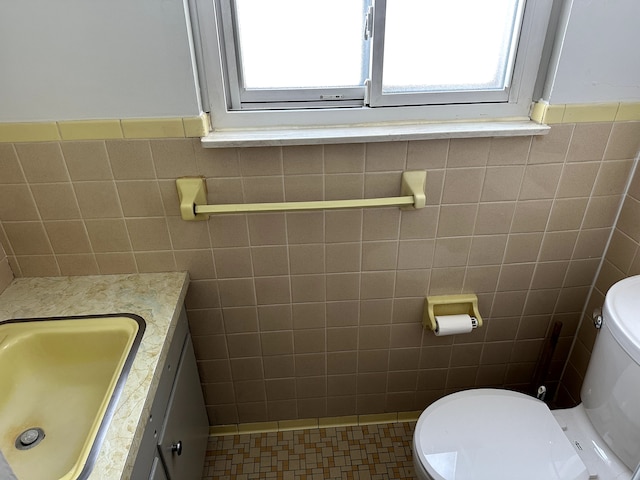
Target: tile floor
x,y
367,452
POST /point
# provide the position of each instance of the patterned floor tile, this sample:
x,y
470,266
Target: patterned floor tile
x,y
368,452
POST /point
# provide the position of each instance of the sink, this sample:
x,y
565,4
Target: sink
x,y
60,380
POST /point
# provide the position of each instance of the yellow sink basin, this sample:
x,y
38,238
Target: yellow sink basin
x,y
60,380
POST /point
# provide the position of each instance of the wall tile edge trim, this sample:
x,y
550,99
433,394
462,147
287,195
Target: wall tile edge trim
x,y
105,129
312,423
545,113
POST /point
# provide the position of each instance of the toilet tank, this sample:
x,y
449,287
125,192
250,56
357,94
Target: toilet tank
x,y
611,389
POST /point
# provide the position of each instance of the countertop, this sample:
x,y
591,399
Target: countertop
x,y
156,297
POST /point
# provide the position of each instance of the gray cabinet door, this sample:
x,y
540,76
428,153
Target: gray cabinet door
x,y
183,442
157,470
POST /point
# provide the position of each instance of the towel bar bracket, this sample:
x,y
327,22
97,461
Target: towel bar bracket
x,y
192,194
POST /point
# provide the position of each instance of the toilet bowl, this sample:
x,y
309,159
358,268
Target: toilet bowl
x,y
493,434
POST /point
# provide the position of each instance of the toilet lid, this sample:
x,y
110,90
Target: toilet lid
x,y
494,434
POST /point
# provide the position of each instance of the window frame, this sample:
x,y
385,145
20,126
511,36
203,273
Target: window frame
x,y
209,17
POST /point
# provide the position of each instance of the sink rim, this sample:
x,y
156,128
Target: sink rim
x,y
109,412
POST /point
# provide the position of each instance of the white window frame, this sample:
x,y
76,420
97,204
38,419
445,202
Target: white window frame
x,y
325,124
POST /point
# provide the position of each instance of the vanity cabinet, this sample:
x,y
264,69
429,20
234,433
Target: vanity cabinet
x,y
174,442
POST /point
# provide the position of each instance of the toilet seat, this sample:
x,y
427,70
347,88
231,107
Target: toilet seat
x,y
490,434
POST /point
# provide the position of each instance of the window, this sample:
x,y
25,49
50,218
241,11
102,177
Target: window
x,y
341,62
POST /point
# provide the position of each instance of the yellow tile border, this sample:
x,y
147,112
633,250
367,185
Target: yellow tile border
x,y
542,112
105,129
312,423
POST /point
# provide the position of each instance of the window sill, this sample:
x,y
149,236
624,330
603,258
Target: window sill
x,y
369,133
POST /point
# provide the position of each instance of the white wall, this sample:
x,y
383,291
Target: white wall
x,y
597,54
80,59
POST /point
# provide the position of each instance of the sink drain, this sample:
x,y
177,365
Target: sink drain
x,y
29,438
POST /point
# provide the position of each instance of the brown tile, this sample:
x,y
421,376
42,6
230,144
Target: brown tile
x,y
385,156
275,317
216,162
427,154
502,183
306,258
457,220
412,283
98,199
578,179
42,162
260,161
549,274
623,142
310,364
55,201
148,234
452,252
342,362
343,186
567,214
612,177
558,245
263,189
140,198
17,203
87,160
38,266
188,235
233,262
116,263
27,238
228,231
240,319
509,150
419,224
342,339
379,256
523,247
277,343
342,257
10,171
531,216
130,159
591,243
303,159
516,277
77,264
154,262
628,222
166,151
468,152
446,281
487,250
340,314
376,312
68,237
406,335
309,341
374,337
308,288
108,235
267,229
301,188
343,286
309,315
380,224
540,181
237,292
601,211
343,226
345,158
463,185
494,218
588,142
553,147
272,290
270,260
377,285
305,227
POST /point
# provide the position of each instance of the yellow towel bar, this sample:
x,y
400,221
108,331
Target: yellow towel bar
x,y
192,192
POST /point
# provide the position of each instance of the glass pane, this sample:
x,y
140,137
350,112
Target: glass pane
x,y
301,43
444,45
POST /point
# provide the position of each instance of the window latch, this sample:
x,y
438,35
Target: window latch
x,y
368,24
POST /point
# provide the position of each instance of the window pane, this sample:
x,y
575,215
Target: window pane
x,y
301,43
444,45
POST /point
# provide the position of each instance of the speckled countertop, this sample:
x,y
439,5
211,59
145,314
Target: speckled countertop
x,y
156,297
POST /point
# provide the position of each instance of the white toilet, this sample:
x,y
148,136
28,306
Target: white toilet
x,y
490,434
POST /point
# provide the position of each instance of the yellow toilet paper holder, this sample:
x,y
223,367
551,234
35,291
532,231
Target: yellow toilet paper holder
x,y
436,305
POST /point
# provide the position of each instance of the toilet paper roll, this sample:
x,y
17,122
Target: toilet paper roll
x,y
454,324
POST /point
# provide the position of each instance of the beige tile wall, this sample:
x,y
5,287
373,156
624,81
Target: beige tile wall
x,y
312,314
621,260
6,275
